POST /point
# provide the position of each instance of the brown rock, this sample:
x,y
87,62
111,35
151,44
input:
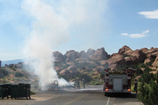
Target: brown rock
x,y
99,69
79,60
92,64
147,60
90,52
117,59
104,62
155,63
131,60
129,52
58,56
124,49
73,69
65,72
99,54
83,54
71,56
58,69
139,55
113,67
144,50
113,54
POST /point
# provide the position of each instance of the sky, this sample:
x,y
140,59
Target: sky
x,y
77,25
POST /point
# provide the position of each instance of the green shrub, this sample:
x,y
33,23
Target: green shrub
x,y
148,90
18,74
3,73
32,93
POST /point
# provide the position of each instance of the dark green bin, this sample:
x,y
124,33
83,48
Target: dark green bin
x,y
8,86
20,90
3,91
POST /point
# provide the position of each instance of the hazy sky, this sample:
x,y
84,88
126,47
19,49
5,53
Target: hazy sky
x,y
77,25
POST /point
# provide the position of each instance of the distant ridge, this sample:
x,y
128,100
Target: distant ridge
x,y
16,61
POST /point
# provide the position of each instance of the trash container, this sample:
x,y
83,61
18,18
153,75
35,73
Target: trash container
x,y
3,91
20,90
8,87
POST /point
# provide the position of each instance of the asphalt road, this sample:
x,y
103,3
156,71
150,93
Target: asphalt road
x,y
92,95
89,97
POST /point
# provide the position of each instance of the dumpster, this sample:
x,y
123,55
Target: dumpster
x,y
20,90
3,91
8,87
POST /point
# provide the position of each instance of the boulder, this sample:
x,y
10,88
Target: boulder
x,y
100,54
129,52
73,69
117,59
124,49
71,56
139,55
90,52
144,50
83,54
131,60
81,60
65,72
147,60
155,63
58,69
58,56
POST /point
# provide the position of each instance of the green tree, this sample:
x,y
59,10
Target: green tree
x,y
148,89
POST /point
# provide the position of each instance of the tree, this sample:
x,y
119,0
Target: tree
x,y
148,90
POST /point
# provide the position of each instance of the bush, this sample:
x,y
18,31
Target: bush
x,y
18,74
3,73
148,93
147,77
148,89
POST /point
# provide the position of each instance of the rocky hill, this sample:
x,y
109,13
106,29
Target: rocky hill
x,y
97,60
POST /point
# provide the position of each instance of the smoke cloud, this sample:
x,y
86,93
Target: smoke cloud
x,y
52,25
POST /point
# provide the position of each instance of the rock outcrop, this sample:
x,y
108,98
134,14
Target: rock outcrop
x,y
90,52
139,55
73,69
99,54
155,63
71,56
98,60
83,54
117,59
124,50
58,56
65,72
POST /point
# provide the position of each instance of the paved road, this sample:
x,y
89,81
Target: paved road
x,y
91,96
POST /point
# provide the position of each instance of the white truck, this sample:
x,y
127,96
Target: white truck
x,y
118,82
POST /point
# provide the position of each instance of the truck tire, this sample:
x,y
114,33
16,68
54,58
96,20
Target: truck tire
x,y
105,94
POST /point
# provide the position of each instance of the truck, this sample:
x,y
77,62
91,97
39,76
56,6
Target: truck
x,y
118,81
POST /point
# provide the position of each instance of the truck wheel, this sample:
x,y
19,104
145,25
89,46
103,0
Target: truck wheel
x,y
105,94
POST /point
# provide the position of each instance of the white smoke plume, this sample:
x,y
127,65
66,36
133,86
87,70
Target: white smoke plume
x,y
51,27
